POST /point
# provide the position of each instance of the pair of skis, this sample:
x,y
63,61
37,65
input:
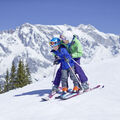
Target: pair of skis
x,y
70,94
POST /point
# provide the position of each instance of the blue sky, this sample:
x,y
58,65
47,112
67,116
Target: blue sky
x,y
102,14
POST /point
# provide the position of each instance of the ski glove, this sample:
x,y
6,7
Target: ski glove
x,y
56,62
72,43
57,57
67,60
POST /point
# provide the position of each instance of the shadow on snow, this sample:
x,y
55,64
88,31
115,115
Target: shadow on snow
x,y
35,92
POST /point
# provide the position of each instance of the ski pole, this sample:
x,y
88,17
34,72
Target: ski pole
x,y
75,75
76,62
54,73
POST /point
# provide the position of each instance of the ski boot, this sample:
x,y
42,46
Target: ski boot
x,y
63,94
64,90
85,86
75,89
55,89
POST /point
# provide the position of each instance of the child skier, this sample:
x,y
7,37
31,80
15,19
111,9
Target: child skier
x,y
75,50
67,65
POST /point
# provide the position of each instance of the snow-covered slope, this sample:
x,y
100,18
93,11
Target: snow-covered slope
x,y
31,43
24,103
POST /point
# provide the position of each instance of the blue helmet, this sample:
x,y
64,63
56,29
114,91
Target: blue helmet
x,y
54,42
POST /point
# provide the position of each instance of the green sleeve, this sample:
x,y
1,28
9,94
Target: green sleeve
x,y
76,49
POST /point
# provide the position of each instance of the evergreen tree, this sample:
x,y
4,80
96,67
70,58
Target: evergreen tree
x,y
13,76
22,78
0,89
27,74
6,87
20,75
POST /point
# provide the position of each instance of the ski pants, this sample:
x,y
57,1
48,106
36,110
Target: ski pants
x,y
65,74
78,70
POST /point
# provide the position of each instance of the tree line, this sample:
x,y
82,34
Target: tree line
x,y
17,77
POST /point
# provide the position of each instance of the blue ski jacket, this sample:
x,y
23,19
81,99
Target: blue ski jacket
x,y
64,57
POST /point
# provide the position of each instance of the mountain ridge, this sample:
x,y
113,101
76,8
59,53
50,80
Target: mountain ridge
x,y
31,43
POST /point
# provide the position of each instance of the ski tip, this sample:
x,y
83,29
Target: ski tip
x,y
44,99
103,86
58,97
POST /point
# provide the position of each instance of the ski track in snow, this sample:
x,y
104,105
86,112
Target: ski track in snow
x,y
25,103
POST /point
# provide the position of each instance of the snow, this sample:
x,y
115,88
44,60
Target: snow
x,y
25,103
25,30
101,53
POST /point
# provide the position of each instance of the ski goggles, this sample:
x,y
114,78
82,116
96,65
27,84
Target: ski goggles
x,y
52,44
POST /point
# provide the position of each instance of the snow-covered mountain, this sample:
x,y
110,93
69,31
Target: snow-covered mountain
x,y
100,104
31,43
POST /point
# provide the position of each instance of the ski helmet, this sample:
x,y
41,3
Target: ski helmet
x,y
54,42
68,35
